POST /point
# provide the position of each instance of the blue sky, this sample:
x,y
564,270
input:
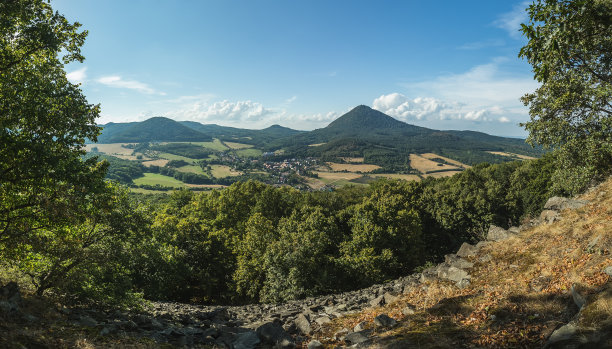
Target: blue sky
x,y
301,64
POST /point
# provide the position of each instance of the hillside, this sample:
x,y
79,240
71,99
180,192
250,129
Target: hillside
x,y
157,129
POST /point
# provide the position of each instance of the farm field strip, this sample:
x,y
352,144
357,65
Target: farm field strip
x,y
511,155
450,161
156,178
222,171
158,162
352,167
236,146
406,177
338,175
425,165
191,169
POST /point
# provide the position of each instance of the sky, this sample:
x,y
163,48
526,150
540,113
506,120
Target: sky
x,y
443,64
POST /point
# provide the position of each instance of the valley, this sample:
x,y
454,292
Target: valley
x,y
356,149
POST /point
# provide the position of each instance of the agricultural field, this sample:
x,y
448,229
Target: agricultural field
x,y
353,160
352,167
222,171
156,178
114,149
335,176
149,191
158,162
249,153
511,155
406,177
442,174
236,146
214,145
191,169
424,165
432,156
169,156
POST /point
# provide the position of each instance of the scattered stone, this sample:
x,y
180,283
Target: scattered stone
x,y
273,333
454,261
378,301
390,298
453,274
550,216
360,326
463,283
514,230
323,320
246,340
302,323
466,250
356,337
563,333
485,259
497,233
339,335
383,320
608,270
315,344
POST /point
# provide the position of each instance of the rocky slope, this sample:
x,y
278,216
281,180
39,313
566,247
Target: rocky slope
x,y
545,283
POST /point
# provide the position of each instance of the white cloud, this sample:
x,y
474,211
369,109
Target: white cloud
x,y
221,111
291,100
398,105
503,119
77,76
511,21
118,82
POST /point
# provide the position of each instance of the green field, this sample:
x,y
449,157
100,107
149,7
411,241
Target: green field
x,y
214,145
249,153
169,156
222,171
156,178
192,169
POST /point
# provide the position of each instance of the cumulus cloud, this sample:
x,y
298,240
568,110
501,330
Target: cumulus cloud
x,y
511,21
400,106
77,76
222,111
118,82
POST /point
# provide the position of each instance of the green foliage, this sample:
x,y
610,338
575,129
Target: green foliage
x,y
570,49
187,150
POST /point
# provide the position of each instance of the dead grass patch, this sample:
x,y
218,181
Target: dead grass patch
x,y
352,167
512,155
158,162
431,156
425,165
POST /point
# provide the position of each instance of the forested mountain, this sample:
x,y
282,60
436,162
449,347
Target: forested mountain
x,y
362,132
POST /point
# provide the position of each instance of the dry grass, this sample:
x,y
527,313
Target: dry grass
x,y
352,167
519,297
315,144
338,175
442,174
512,155
425,165
406,177
222,171
158,162
450,161
116,150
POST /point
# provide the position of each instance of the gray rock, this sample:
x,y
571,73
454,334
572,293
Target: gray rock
x,y
408,310
466,250
514,230
378,301
563,333
360,326
315,344
463,283
273,333
87,321
356,337
302,323
608,270
496,233
453,274
383,320
322,320
549,216
557,203
246,340
390,297
579,300
339,335
457,262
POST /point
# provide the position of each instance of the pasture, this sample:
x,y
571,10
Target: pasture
x,y
425,165
156,178
222,171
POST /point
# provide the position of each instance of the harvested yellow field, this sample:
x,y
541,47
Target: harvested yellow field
x,y
353,160
442,174
512,155
158,162
450,161
352,167
338,175
406,177
233,145
425,165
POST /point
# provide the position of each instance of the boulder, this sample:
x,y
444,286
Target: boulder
x,y
246,340
273,333
302,323
466,250
383,320
360,326
453,274
322,320
315,344
579,300
497,233
463,283
378,301
608,270
357,337
557,203
549,216
454,261
408,310
390,297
